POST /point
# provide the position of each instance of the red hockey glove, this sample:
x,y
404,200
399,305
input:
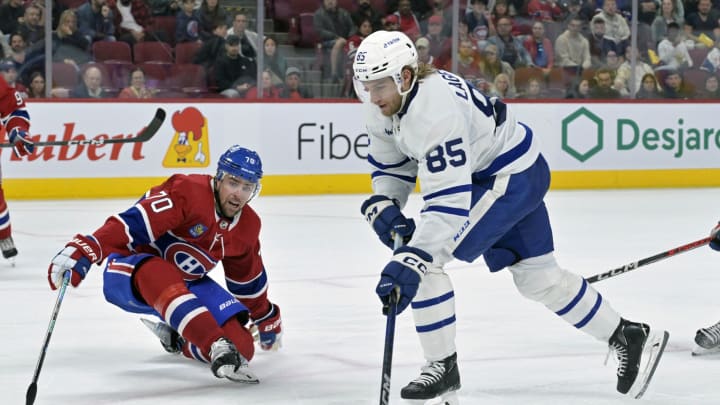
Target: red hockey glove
x,y
270,329
715,234
78,255
22,145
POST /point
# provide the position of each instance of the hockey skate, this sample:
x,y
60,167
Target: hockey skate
x,y
638,351
170,340
438,379
708,340
226,362
7,246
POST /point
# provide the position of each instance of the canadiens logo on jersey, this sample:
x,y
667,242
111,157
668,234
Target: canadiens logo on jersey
x,y
198,230
189,147
188,258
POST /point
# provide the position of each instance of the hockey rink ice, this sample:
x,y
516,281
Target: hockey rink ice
x,y
323,262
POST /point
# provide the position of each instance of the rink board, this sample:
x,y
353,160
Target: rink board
x,y
321,148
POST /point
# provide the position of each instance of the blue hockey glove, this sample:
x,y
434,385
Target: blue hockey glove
x,y
402,276
386,219
78,255
22,145
715,234
270,329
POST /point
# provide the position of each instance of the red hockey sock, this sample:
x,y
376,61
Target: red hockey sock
x,y
241,338
6,229
163,288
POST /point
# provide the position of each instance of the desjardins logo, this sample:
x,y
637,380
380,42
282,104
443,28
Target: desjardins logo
x,y
583,136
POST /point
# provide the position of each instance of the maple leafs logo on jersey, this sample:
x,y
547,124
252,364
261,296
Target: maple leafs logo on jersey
x,y
198,230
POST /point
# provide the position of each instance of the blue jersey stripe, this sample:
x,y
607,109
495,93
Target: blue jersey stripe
x,y
136,225
249,288
575,300
507,157
382,166
432,301
435,326
465,188
447,210
378,173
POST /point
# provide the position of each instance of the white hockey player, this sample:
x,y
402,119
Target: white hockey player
x,y
708,339
483,181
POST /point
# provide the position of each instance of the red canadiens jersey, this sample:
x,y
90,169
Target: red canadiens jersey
x,y
12,108
177,221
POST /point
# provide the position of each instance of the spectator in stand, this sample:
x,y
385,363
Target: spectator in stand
x,y
625,72
647,11
675,87
510,47
422,45
334,26
364,29
164,7
132,20
96,21
540,48
391,23
292,88
491,65
248,38
704,22
187,26
533,89
501,10
137,87
712,59
443,9
711,89
37,85
669,13
603,88
10,74
11,15
421,8
274,61
600,44
440,45
672,51
234,73
544,10
501,87
18,49
408,20
616,26
574,10
572,50
579,89
91,86
468,61
480,22
366,11
649,88
269,90
214,48
210,12
69,46
31,27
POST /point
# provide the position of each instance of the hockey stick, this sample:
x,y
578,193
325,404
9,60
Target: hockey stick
x,y
648,260
32,389
143,136
389,340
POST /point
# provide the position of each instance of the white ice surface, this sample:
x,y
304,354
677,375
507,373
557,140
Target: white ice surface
x,y
323,262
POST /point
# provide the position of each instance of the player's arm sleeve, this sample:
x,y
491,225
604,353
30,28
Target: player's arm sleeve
x,y
159,210
247,280
13,113
445,173
393,173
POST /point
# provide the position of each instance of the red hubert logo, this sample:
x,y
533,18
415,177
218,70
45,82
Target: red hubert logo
x,y
72,152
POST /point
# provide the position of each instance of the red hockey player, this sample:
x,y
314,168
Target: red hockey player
x,y
159,253
16,121
708,339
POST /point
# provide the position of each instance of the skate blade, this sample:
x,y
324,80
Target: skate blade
x,y
701,351
242,375
448,398
653,352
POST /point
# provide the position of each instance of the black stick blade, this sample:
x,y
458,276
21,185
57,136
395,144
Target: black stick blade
x,y
31,394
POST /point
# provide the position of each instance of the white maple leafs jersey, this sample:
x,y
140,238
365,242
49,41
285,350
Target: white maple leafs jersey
x,y
446,133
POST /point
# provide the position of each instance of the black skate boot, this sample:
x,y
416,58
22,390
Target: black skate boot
x,y
226,362
638,352
170,340
708,340
436,378
7,246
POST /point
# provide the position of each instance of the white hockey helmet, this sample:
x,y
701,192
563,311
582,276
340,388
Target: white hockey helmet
x,y
384,54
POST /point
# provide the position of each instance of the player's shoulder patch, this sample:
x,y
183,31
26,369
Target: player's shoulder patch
x,y
197,230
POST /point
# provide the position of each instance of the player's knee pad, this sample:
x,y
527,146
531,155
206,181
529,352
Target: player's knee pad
x,y
434,313
567,294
